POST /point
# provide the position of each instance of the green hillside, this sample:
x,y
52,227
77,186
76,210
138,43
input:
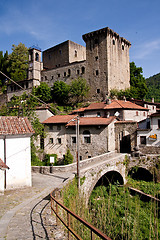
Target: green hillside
x,y
153,84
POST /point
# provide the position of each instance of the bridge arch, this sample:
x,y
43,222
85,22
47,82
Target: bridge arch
x,y
141,173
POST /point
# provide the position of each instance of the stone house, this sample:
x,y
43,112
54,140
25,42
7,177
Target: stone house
x,y
15,150
104,63
124,110
96,135
148,132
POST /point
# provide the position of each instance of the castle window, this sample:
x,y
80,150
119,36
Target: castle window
x,y
52,78
97,72
64,74
113,42
80,158
60,51
58,75
96,58
83,70
75,54
45,77
98,90
37,57
122,47
59,140
96,41
78,72
69,72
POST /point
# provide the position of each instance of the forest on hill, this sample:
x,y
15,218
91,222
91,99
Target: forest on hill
x,y
153,85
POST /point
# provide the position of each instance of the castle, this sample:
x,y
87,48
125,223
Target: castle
x,y
104,63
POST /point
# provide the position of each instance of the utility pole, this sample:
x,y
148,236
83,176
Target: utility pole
x,y
77,152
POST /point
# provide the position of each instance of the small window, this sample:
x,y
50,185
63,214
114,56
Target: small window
x,y
78,72
83,70
51,140
97,72
42,79
69,72
45,77
58,75
87,139
96,58
122,47
80,158
59,127
59,140
136,113
60,51
89,156
73,139
144,114
50,127
113,42
75,54
37,57
64,74
143,140
52,78
158,123
98,90
98,114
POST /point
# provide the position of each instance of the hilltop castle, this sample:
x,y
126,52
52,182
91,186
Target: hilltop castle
x,y
104,63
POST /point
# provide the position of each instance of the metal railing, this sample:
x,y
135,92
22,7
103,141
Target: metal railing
x,y
66,220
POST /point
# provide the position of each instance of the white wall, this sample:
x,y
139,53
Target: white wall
x,y
18,159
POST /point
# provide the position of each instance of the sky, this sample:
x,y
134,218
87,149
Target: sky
x,y
46,23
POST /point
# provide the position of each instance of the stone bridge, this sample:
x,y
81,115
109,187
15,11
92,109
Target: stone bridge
x,y
111,165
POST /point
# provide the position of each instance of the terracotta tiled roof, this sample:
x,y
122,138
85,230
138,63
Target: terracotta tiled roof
x,y
94,106
59,119
93,121
117,104
3,165
12,125
157,114
78,110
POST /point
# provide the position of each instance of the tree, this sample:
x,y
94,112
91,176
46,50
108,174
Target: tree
x,y
60,92
138,87
43,92
78,89
68,159
18,62
4,63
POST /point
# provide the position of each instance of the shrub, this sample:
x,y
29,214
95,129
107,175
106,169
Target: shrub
x,y
68,159
46,160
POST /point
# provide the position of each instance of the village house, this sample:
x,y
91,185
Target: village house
x,y
124,110
15,151
148,132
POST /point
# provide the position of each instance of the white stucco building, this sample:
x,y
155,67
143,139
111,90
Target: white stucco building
x,y
15,150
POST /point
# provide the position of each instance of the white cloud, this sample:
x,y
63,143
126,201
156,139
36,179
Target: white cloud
x,y
146,49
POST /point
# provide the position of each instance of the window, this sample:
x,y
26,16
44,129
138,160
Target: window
x,y
122,47
144,114
59,140
89,156
52,78
58,127
78,72
98,114
113,42
98,90
83,70
42,79
75,54
58,75
81,114
143,140
73,139
45,77
51,140
136,113
97,72
158,123
50,127
69,72
60,51
80,158
96,58
87,137
37,57
64,74
96,41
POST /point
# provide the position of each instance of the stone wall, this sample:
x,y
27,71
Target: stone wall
x,y
149,149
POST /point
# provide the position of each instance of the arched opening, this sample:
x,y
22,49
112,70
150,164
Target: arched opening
x,y
125,142
37,57
140,174
111,177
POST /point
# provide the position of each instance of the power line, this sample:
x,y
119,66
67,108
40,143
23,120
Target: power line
x,y
23,88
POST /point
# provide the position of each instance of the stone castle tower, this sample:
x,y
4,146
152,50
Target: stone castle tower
x,y
107,61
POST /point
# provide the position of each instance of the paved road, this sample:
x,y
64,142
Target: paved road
x,y
23,212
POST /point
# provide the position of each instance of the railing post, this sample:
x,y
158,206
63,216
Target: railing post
x,y
92,235
57,214
68,225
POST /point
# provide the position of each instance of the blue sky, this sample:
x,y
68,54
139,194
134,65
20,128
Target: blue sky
x,y
48,22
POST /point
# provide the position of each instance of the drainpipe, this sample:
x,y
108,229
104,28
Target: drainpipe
x,y
5,185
